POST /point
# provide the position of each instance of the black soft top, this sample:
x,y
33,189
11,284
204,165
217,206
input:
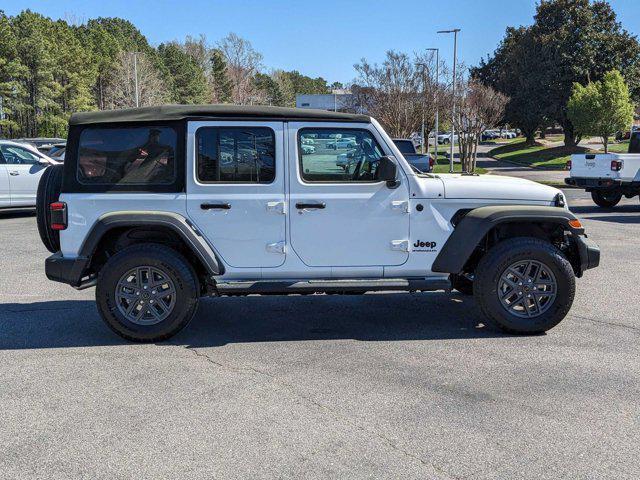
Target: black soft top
x,y
181,112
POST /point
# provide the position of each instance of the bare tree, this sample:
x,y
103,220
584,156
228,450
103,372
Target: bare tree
x,y
243,62
478,107
399,93
120,93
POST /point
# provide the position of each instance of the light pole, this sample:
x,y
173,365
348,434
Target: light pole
x,y
435,96
424,91
453,107
135,77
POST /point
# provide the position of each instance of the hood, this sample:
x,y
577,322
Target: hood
x,y
496,187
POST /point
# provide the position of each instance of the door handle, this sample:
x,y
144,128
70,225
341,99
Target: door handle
x,y
216,206
303,206
14,173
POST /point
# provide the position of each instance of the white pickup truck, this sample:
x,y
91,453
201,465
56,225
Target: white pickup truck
x,y
607,176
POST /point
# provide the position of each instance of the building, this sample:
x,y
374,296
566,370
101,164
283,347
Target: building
x,y
337,101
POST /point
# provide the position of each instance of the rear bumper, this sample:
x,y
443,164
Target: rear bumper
x,y
593,183
69,270
588,251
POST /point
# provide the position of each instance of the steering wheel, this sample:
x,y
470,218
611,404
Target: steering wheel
x,y
368,153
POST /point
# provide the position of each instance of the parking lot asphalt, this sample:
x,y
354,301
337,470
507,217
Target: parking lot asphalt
x,y
376,386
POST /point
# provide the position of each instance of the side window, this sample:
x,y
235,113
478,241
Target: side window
x,y
127,156
18,156
338,155
236,155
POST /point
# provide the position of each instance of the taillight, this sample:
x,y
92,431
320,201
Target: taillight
x,y
432,162
568,166
616,165
58,215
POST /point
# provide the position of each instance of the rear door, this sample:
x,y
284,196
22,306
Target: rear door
x,y
24,169
236,190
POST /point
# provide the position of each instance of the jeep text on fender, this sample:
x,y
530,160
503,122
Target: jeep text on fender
x,y
160,206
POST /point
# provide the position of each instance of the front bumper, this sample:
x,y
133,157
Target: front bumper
x,y
588,251
71,271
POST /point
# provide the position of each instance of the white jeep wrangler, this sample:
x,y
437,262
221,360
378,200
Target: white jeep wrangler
x,y
160,206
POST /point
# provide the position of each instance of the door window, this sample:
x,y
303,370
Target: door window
x,y
338,155
18,156
236,155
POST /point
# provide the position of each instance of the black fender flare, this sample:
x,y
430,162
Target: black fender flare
x,y
182,226
473,227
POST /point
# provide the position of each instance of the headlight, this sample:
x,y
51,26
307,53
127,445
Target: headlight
x,y
559,200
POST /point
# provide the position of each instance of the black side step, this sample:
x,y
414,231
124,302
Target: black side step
x,y
285,287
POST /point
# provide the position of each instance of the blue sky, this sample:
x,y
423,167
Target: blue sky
x,y
322,37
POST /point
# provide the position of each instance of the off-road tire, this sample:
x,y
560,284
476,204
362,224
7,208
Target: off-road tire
x,y
606,199
461,283
160,257
503,255
48,192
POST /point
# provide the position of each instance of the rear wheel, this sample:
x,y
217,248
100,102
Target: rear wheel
x,y
147,292
49,188
606,199
524,285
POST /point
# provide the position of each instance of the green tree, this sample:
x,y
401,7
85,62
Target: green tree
x,y
186,79
601,108
12,91
571,41
220,83
269,89
513,72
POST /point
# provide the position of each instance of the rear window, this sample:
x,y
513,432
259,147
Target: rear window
x,y
127,156
405,146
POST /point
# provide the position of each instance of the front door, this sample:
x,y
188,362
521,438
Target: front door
x,y
24,170
235,190
341,214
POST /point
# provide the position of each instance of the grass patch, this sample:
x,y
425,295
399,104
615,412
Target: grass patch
x,y
538,156
442,166
622,147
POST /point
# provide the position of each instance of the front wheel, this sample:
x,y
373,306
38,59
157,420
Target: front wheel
x,y
147,292
606,199
524,285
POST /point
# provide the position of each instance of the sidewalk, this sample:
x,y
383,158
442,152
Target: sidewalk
x,y
498,167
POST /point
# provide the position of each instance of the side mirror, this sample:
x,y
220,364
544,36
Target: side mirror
x,y
387,170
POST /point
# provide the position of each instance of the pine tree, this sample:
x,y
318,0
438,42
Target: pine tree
x,y
187,81
220,83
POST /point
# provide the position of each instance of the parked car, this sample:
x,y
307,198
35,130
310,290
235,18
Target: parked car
x,y
608,176
421,161
510,134
43,144
490,135
148,215
445,138
57,152
341,143
307,149
21,167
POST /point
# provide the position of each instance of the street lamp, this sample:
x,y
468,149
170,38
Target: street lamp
x,y
424,89
435,94
135,77
453,108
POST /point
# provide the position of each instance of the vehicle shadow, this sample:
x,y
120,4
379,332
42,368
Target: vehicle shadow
x,y
221,321
617,219
586,209
17,213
